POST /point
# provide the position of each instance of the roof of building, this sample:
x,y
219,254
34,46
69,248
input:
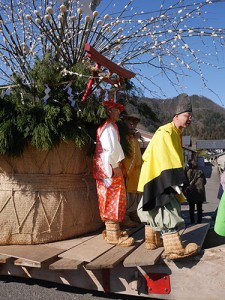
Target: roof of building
x,y
186,140
189,149
210,144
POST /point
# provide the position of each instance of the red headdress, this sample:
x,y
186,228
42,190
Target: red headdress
x,y
111,103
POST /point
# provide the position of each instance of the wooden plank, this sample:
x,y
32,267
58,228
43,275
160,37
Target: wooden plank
x,y
68,244
103,61
91,249
65,264
88,250
195,234
35,254
27,263
115,255
4,258
143,257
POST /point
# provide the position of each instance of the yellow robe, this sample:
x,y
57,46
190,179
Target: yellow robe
x,y
132,166
163,167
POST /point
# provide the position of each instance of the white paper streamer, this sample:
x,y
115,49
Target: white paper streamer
x,y
5,92
47,91
21,94
2,94
69,92
106,96
98,93
115,96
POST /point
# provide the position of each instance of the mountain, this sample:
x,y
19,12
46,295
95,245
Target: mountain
x,y
208,117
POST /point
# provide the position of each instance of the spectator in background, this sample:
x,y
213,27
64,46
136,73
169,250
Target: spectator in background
x,y
132,168
109,177
195,192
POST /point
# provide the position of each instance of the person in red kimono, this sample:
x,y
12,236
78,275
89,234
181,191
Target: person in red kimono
x,y
109,177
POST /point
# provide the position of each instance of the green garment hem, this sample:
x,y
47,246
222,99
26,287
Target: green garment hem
x,y
219,226
162,218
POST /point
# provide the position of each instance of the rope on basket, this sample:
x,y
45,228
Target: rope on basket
x,y
87,186
45,182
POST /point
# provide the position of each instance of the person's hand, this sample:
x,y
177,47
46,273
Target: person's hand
x,y
137,134
117,172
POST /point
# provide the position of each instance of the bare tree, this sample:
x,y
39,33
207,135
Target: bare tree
x,y
164,40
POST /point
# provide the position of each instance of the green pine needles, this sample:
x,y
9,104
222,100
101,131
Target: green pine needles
x,y
45,112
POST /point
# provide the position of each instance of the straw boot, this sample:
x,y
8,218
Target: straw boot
x,y
114,236
123,233
152,238
174,248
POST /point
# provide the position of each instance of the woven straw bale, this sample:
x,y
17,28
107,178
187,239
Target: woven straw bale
x,y
47,196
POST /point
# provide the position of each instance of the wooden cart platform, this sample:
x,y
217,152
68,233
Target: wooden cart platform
x,y
89,262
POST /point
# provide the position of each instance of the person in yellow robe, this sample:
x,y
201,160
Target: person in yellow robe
x,y
132,168
161,180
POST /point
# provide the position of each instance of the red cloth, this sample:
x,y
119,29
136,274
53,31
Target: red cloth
x,y
112,200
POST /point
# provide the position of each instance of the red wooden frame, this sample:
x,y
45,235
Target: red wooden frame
x,y
102,61
105,62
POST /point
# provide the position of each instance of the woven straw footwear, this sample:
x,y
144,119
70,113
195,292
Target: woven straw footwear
x,y
123,233
174,248
114,236
152,238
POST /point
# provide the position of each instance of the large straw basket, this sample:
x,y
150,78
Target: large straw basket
x,y
47,196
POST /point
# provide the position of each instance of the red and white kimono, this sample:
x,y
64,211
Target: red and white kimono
x,y
111,190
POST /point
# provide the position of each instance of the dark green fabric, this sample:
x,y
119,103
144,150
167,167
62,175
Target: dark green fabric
x,y
163,218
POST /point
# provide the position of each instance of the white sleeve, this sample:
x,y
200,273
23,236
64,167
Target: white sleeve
x,y
112,150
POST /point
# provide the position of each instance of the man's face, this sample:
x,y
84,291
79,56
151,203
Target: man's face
x,y
183,120
131,125
114,114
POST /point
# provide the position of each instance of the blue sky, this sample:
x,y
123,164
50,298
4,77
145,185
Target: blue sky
x,y
192,84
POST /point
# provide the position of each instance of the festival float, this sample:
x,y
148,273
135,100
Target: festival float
x,y
47,190
59,61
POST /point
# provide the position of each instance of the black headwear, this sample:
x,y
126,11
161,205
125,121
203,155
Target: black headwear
x,y
183,104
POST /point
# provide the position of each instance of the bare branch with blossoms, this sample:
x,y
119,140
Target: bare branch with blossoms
x,y
166,41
